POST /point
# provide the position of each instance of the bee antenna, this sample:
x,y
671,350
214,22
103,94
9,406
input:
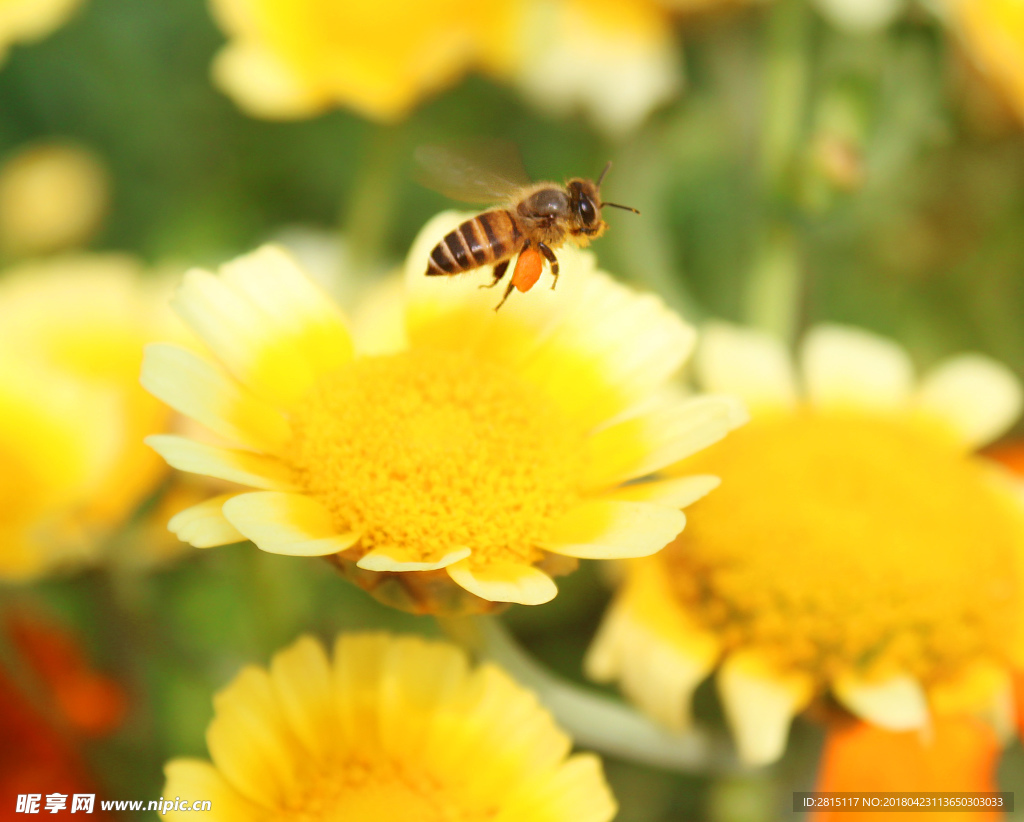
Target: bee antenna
x,y
616,205
600,177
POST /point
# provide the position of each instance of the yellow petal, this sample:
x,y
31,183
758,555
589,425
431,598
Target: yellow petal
x,y
198,389
675,493
295,308
204,525
242,467
760,704
250,741
609,529
657,673
977,397
896,704
383,559
577,791
301,675
752,365
504,582
291,524
660,436
853,368
262,85
243,338
194,779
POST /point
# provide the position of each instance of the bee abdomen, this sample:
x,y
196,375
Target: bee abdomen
x,y
487,238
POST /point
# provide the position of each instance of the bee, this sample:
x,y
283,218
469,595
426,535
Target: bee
x,y
536,218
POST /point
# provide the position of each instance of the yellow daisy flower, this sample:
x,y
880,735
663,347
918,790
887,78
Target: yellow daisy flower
x,y
26,20
993,31
617,59
393,728
296,58
72,332
491,448
856,545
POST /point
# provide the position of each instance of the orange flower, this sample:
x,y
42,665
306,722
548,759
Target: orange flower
x,y
954,754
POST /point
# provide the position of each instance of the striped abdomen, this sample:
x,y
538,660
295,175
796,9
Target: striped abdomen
x,y
487,238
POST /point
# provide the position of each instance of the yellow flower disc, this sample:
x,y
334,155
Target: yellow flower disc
x,y
431,450
850,542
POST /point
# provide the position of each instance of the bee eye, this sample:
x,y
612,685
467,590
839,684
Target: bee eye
x,y
587,212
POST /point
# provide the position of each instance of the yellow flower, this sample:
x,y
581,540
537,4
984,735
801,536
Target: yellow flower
x,y
392,729
993,31
52,196
296,58
71,333
617,59
486,445
31,19
856,545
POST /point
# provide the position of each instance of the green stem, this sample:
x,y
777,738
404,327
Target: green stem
x,y
370,206
775,285
594,721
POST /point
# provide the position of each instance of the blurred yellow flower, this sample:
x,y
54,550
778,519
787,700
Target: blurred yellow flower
x,y
31,19
296,58
855,545
393,728
617,59
52,196
71,332
484,448
993,31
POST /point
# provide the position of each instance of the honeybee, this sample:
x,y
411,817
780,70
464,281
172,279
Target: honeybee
x,y
536,219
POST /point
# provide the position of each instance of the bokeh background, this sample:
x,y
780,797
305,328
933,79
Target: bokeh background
x,y
880,164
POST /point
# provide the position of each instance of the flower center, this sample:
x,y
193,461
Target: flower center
x,y
848,542
429,451
380,790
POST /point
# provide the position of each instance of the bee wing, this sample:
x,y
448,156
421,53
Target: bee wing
x,y
485,173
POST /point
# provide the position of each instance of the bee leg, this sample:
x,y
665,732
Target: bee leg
x,y
547,252
499,272
508,291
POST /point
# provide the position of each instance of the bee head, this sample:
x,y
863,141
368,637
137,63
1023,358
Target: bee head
x,y
585,207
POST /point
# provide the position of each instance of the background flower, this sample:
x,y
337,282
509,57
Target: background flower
x,y
853,547
389,727
31,19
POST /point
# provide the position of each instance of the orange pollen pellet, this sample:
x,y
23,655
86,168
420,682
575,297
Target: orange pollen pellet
x,y
528,268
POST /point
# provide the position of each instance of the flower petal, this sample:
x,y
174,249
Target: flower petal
x,y
301,675
242,467
504,582
204,525
853,368
294,306
261,84
610,529
675,493
195,387
760,705
897,703
199,779
978,397
662,435
754,366
577,791
383,559
292,524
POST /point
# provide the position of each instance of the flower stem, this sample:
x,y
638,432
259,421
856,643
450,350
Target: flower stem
x,y
774,289
594,721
